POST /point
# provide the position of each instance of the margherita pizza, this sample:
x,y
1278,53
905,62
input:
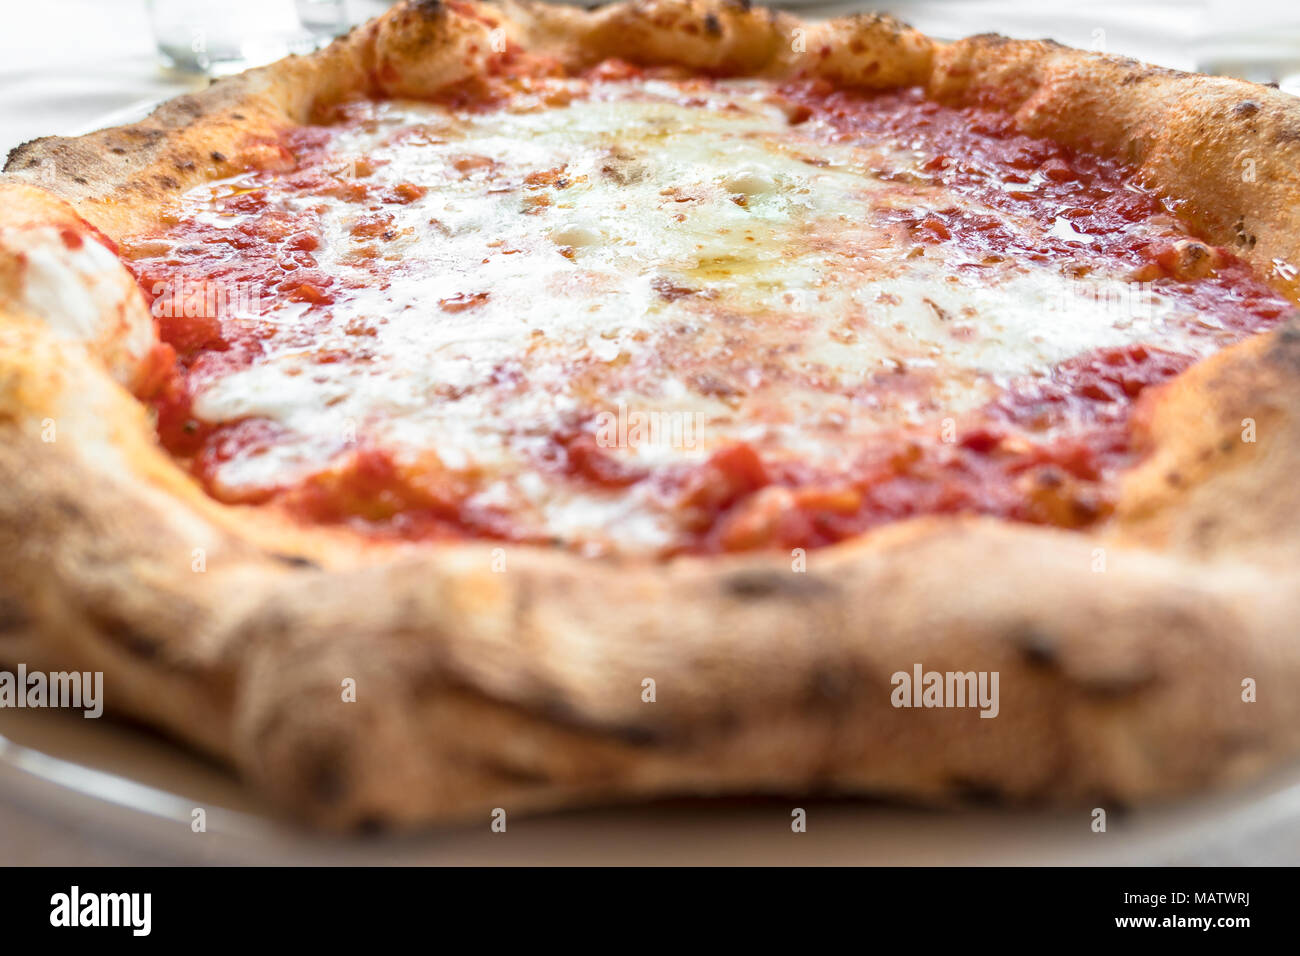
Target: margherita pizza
x,y
515,406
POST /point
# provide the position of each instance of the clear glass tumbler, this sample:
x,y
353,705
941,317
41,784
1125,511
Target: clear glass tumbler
x,y
1257,41
218,38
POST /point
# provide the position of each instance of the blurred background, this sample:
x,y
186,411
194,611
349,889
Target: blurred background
x,y
67,66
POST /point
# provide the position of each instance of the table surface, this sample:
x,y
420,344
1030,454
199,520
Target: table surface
x,y
67,65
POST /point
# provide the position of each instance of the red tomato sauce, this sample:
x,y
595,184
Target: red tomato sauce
x,y
1047,450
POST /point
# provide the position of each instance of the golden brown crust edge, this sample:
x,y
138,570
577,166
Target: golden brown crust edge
x,y
1227,151
522,688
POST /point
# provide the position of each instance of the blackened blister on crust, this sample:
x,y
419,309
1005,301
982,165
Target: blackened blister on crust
x,y
1039,647
297,561
831,684
125,635
766,584
323,772
13,617
1116,686
976,793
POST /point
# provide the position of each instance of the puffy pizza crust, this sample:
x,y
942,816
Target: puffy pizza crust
x,y
513,677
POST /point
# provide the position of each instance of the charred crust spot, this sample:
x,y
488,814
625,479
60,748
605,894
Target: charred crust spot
x,y
323,774
167,182
1038,647
556,709
766,584
237,116
296,561
636,735
126,636
12,616
1289,334
744,6
712,25
117,150
430,9
1115,686
147,134
1042,649
829,684
372,825
978,793
1136,71
15,156
217,157
1285,349
1245,108
69,508
135,643
990,39
1117,808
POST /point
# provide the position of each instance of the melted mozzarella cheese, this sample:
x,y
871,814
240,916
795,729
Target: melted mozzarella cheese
x,y
634,249
79,289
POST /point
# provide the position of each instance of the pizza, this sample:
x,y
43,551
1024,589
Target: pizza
x,y
516,406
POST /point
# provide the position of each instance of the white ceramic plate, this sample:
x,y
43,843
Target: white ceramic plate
x,y
122,794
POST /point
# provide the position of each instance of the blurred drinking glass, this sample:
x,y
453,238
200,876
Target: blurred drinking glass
x,y
1257,41
218,38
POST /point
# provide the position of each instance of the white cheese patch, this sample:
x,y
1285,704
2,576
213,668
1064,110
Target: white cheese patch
x,y
631,248
82,292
